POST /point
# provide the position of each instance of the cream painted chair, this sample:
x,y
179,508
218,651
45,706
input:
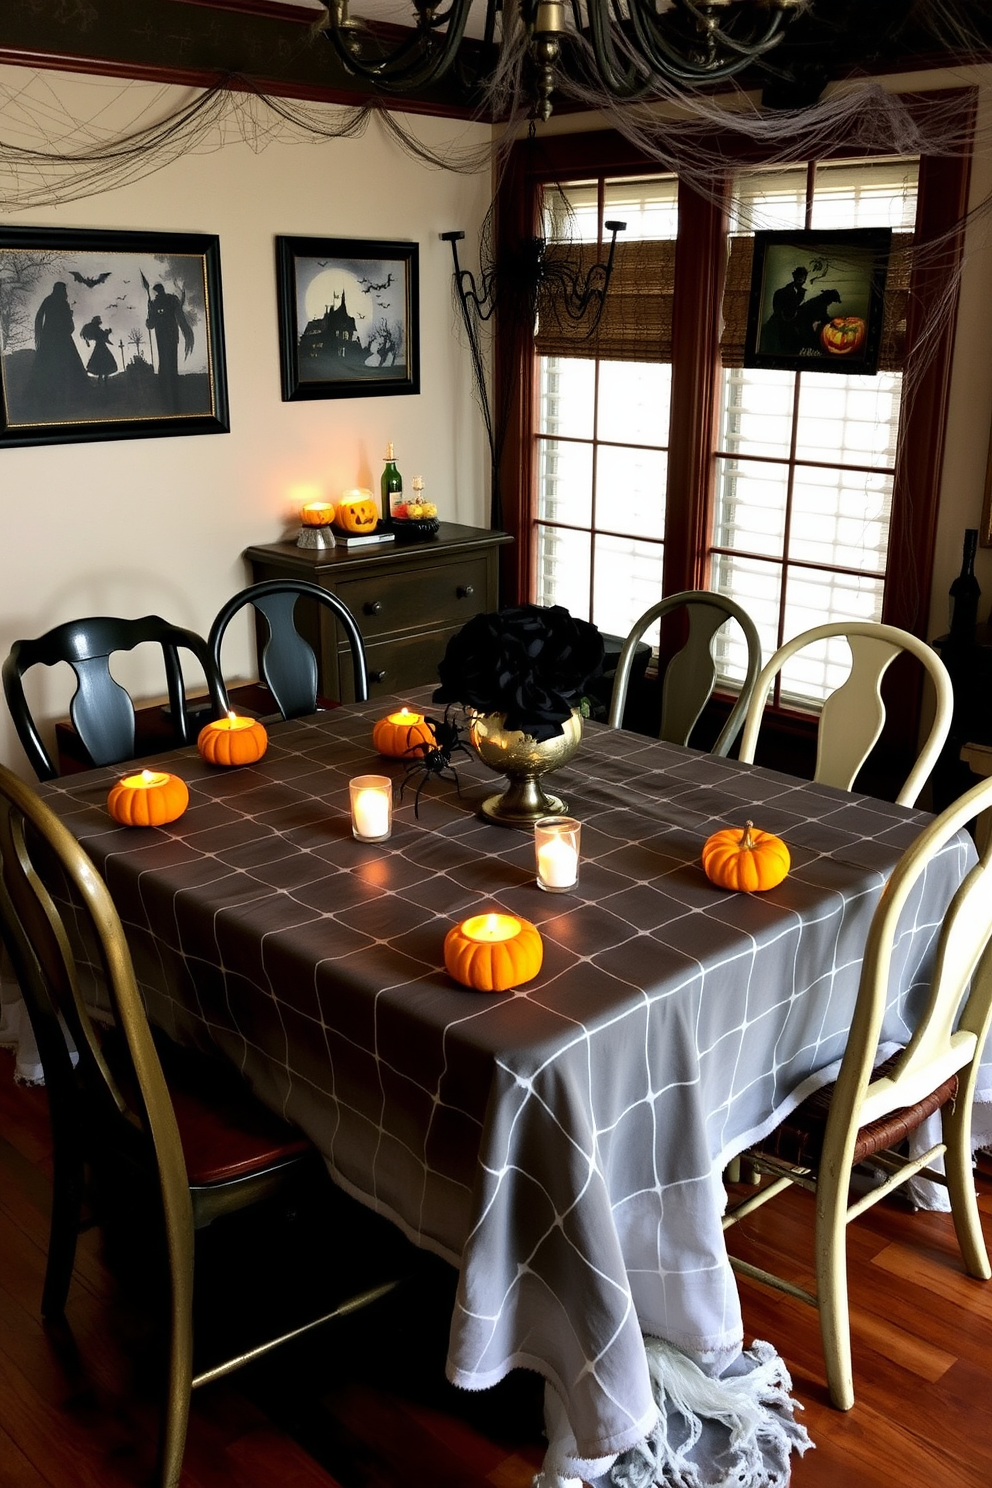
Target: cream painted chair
x,y
852,716
869,1112
691,673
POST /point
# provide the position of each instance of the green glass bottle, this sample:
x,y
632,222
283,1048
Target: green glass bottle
x,y
392,486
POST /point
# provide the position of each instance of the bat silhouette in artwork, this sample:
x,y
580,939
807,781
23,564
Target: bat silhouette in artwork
x,y
371,288
90,283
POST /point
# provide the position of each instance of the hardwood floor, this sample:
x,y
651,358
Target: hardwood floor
x,y
365,1405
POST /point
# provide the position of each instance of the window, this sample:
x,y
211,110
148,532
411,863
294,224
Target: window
x,y
636,465
804,463
602,430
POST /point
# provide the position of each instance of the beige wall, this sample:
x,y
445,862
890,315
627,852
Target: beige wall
x,y
144,525
132,526
969,425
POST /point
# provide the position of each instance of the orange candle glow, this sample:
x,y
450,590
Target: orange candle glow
x,y
401,734
317,514
232,741
493,952
488,929
148,800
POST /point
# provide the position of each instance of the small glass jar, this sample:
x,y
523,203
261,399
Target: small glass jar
x,y
556,852
371,807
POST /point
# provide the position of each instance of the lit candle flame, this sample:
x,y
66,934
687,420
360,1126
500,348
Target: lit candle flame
x,y
491,927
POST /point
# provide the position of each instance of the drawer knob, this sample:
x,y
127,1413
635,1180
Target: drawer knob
x,y
464,591
378,676
372,606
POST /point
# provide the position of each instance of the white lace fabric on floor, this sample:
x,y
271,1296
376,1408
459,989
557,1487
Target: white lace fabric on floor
x,y
710,1433
16,1032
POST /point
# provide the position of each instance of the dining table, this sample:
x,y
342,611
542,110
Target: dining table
x,y
562,1144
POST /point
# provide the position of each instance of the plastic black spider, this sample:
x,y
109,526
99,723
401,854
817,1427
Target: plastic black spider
x,y
436,759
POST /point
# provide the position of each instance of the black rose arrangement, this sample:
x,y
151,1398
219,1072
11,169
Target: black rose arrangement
x,y
532,663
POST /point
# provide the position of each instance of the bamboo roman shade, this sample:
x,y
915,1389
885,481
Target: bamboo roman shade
x,y
636,324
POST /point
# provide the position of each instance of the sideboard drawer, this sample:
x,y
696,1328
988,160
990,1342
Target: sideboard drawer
x,y
398,662
448,594
409,599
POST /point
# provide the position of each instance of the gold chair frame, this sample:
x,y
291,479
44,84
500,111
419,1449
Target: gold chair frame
x,y
871,1110
89,1101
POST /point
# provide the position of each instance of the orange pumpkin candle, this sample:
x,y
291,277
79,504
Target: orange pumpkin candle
x,y
493,952
317,514
148,800
399,735
232,741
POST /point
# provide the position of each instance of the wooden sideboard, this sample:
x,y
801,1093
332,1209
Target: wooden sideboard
x,y
409,598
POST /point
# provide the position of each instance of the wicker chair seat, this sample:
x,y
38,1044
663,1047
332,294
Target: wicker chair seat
x,y
799,1138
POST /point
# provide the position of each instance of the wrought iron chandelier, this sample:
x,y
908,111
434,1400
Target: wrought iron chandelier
x,y
627,49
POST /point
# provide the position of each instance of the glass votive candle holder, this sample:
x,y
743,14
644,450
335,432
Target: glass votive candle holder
x,y
371,807
556,849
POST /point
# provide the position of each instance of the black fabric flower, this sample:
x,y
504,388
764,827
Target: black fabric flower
x,y
530,662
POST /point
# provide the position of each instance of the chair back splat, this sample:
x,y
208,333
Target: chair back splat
x,y
144,1121
852,716
690,675
872,1108
288,664
101,710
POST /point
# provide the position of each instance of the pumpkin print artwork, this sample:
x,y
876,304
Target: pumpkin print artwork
x,y
148,800
750,861
360,514
493,952
401,734
232,741
844,335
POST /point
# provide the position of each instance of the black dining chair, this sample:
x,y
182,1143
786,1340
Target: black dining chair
x,y
690,675
101,710
138,1123
287,661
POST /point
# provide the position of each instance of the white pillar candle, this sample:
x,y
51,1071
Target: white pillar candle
x,y
556,847
557,863
371,807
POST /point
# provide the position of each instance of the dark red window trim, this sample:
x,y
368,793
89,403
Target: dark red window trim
x,y
700,261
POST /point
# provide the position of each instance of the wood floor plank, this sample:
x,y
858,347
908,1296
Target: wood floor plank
x,y
85,1416
957,1287
16,1470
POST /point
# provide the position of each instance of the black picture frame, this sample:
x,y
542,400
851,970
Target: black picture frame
x,y
787,312
109,335
343,302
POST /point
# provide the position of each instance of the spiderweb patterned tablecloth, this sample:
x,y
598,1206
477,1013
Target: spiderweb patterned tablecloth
x,y
562,1145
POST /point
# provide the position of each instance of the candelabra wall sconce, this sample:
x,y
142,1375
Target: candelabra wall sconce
x,y
537,281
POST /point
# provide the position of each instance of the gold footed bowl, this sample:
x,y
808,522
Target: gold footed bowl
x,y
523,760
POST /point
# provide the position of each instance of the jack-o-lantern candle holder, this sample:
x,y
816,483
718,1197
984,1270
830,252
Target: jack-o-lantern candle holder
x,y
315,525
357,514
